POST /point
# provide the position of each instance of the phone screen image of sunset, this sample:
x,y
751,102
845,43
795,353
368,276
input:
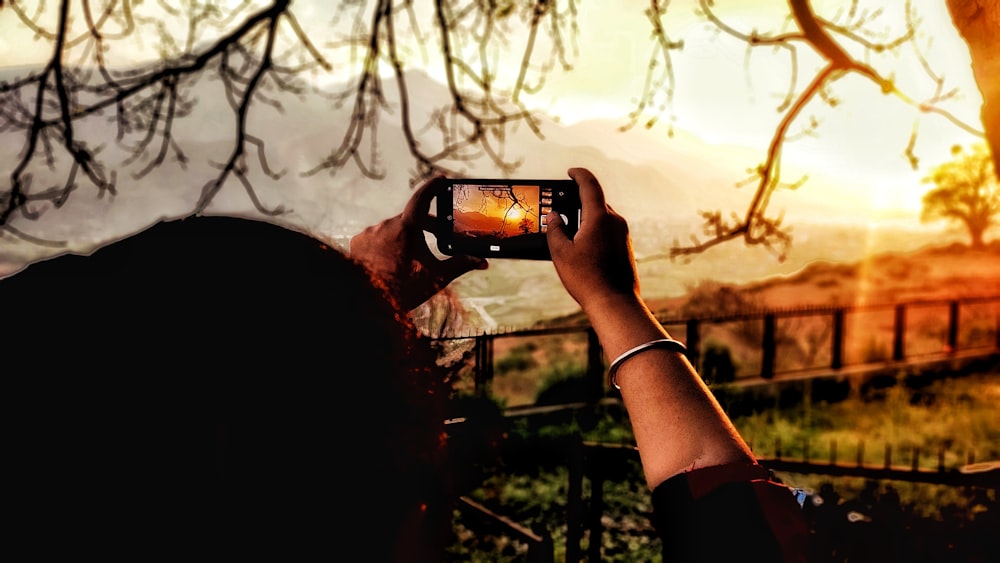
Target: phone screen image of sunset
x,y
499,211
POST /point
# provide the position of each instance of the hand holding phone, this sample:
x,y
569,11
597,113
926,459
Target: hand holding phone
x,y
598,262
503,218
396,251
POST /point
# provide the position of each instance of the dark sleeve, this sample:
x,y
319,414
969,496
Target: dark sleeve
x,y
729,513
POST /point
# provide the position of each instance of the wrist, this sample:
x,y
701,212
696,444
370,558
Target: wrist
x,y
603,303
623,322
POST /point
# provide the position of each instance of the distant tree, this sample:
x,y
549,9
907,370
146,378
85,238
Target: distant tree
x,y
526,225
967,193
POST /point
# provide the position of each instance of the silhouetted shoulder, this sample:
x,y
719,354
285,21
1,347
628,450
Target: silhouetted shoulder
x,y
215,370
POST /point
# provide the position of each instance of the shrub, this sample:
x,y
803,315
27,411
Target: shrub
x,y
564,383
717,364
518,359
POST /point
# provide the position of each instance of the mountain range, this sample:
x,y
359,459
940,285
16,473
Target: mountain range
x,y
659,183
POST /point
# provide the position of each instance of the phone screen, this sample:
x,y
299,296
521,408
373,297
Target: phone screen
x,y
504,218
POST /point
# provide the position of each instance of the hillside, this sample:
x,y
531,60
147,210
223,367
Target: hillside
x,y
943,272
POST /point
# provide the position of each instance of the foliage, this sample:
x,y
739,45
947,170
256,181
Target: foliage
x,y
717,364
518,359
949,415
531,365
966,192
565,383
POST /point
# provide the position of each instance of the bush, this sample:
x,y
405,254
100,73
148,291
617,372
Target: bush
x,y
565,383
518,359
717,364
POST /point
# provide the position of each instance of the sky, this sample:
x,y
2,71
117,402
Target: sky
x,y
728,100
724,107
721,96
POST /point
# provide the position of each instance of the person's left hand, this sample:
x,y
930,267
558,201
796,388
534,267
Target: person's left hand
x,y
396,252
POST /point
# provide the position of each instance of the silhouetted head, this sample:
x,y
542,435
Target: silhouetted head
x,y
223,380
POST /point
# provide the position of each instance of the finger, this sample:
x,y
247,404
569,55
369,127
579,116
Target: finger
x,y
591,193
419,205
452,268
555,235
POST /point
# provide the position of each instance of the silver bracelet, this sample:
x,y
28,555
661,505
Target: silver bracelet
x,y
667,343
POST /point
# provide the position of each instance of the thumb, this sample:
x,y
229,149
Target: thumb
x,y
555,234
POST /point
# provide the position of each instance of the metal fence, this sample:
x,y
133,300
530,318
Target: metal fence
x,y
800,342
770,346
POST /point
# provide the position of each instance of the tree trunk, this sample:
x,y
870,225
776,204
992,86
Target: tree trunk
x,y
976,234
978,22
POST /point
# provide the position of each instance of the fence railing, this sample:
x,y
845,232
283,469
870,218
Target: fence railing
x,y
592,460
967,327
539,542
919,330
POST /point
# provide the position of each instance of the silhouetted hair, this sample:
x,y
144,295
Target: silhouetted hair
x,y
219,379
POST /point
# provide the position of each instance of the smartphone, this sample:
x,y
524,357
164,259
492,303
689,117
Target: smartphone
x,y
503,218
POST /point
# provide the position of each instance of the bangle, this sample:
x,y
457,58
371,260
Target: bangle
x,y
667,343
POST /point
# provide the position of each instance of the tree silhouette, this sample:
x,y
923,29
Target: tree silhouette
x,y
261,57
262,54
848,42
966,192
526,225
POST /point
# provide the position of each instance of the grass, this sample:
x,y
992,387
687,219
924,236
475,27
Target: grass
x,y
951,417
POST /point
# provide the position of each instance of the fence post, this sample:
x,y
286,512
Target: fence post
x,y
595,463
484,363
574,499
543,552
767,361
595,366
953,327
837,353
899,334
693,343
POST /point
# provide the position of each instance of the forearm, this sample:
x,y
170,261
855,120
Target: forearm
x,y
678,424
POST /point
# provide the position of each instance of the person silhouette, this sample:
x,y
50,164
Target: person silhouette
x,y
230,387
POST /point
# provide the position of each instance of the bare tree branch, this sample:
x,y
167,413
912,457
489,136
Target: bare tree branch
x,y
754,226
259,54
657,81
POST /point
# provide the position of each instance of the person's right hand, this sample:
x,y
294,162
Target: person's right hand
x,y
597,265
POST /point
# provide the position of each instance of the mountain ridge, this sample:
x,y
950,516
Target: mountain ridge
x,y
944,272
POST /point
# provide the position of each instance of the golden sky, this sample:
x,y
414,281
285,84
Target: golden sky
x,y
728,99
723,97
